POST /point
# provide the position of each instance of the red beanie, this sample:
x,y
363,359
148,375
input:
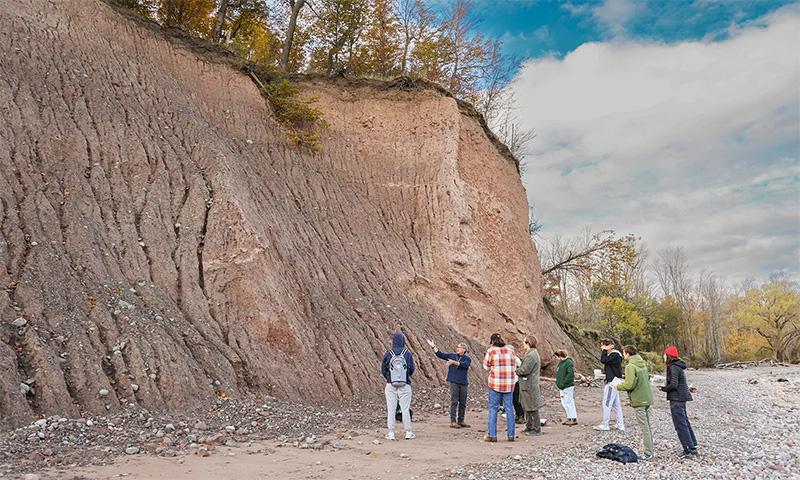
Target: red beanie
x,y
672,351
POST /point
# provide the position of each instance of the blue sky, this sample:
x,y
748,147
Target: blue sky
x,y
677,121
535,28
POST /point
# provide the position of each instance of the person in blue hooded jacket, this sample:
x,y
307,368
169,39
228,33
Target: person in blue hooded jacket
x,y
397,367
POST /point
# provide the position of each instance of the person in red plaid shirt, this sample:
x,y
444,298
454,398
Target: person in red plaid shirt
x,y
501,362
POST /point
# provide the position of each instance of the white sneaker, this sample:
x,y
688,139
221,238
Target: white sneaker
x,y
409,435
621,428
389,436
602,428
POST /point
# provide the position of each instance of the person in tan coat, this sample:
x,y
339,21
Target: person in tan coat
x,y
530,393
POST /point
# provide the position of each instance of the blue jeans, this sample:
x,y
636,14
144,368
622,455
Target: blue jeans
x,y
495,399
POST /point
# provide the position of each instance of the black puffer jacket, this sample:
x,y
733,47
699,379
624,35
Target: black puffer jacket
x,y
677,389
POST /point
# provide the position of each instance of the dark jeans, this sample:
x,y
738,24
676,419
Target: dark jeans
x,y
682,425
519,412
458,402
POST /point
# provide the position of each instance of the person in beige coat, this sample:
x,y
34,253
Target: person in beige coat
x,y
530,393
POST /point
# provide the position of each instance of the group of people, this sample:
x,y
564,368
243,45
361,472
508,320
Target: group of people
x,y
514,387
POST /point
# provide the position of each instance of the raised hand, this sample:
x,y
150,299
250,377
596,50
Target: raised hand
x,y
430,342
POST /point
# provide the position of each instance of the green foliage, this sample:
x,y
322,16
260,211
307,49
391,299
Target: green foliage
x,y
302,120
621,319
654,360
768,319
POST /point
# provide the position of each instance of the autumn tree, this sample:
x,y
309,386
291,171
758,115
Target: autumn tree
x,y
672,272
295,7
235,17
773,312
192,16
464,52
382,44
336,29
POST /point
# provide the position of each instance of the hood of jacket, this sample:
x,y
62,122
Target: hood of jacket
x,y
398,343
637,361
679,363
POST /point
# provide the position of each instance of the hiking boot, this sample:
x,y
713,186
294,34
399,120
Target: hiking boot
x,y
688,453
463,425
410,435
511,439
389,436
454,425
570,421
601,428
519,420
532,432
487,438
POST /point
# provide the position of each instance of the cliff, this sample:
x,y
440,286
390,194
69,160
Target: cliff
x,y
163,243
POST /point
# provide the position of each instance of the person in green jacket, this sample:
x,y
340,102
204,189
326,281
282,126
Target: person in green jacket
x,y
637,384
565,382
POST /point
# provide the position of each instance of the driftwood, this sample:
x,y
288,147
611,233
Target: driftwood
x,y
580,379
767,362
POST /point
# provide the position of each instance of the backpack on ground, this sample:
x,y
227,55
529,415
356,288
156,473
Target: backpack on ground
x,y
618,452
398,370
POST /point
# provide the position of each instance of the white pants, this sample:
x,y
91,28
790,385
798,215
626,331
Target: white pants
x,y
611,400
568,401
394,395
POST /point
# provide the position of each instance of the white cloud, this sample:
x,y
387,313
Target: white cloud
x,y
613,15
692,143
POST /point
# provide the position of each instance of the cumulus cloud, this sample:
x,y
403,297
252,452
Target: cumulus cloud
x,y
692,143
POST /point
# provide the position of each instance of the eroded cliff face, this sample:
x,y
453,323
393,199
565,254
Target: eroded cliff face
x,y
163,243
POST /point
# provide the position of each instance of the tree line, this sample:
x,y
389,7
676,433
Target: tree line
x,y
609,284
361,38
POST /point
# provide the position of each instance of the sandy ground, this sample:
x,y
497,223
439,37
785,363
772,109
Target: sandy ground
x,y
746,421
436,448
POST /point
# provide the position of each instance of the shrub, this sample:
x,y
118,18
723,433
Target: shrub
x,y
655,361
303,122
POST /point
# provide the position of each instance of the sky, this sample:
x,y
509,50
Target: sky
x,y
676,121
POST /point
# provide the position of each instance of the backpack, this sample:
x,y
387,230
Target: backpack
x,y
398,369
620,453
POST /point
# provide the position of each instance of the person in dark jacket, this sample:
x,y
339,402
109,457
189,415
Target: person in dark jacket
x,y
678,394
457,376
565,382
397,368
612,366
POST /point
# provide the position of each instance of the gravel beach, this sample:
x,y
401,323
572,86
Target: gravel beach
x,y
746,421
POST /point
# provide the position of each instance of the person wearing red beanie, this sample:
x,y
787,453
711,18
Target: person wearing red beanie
x,y
678,394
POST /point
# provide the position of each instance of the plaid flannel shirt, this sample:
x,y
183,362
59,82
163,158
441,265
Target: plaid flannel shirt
x,y
502,365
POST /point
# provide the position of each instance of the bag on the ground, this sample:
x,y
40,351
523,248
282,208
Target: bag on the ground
x,y
620,453
398,369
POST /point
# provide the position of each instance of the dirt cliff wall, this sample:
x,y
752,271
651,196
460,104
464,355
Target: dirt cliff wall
x,y
163,243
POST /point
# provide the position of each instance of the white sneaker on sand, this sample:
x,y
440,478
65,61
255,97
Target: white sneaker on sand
x,y
621,428
602,428
410,435
389,436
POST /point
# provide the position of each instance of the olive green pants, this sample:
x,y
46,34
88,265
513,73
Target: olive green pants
x,y
643,419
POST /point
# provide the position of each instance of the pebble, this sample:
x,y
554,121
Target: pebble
x,y
132,450
19,322
103,392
